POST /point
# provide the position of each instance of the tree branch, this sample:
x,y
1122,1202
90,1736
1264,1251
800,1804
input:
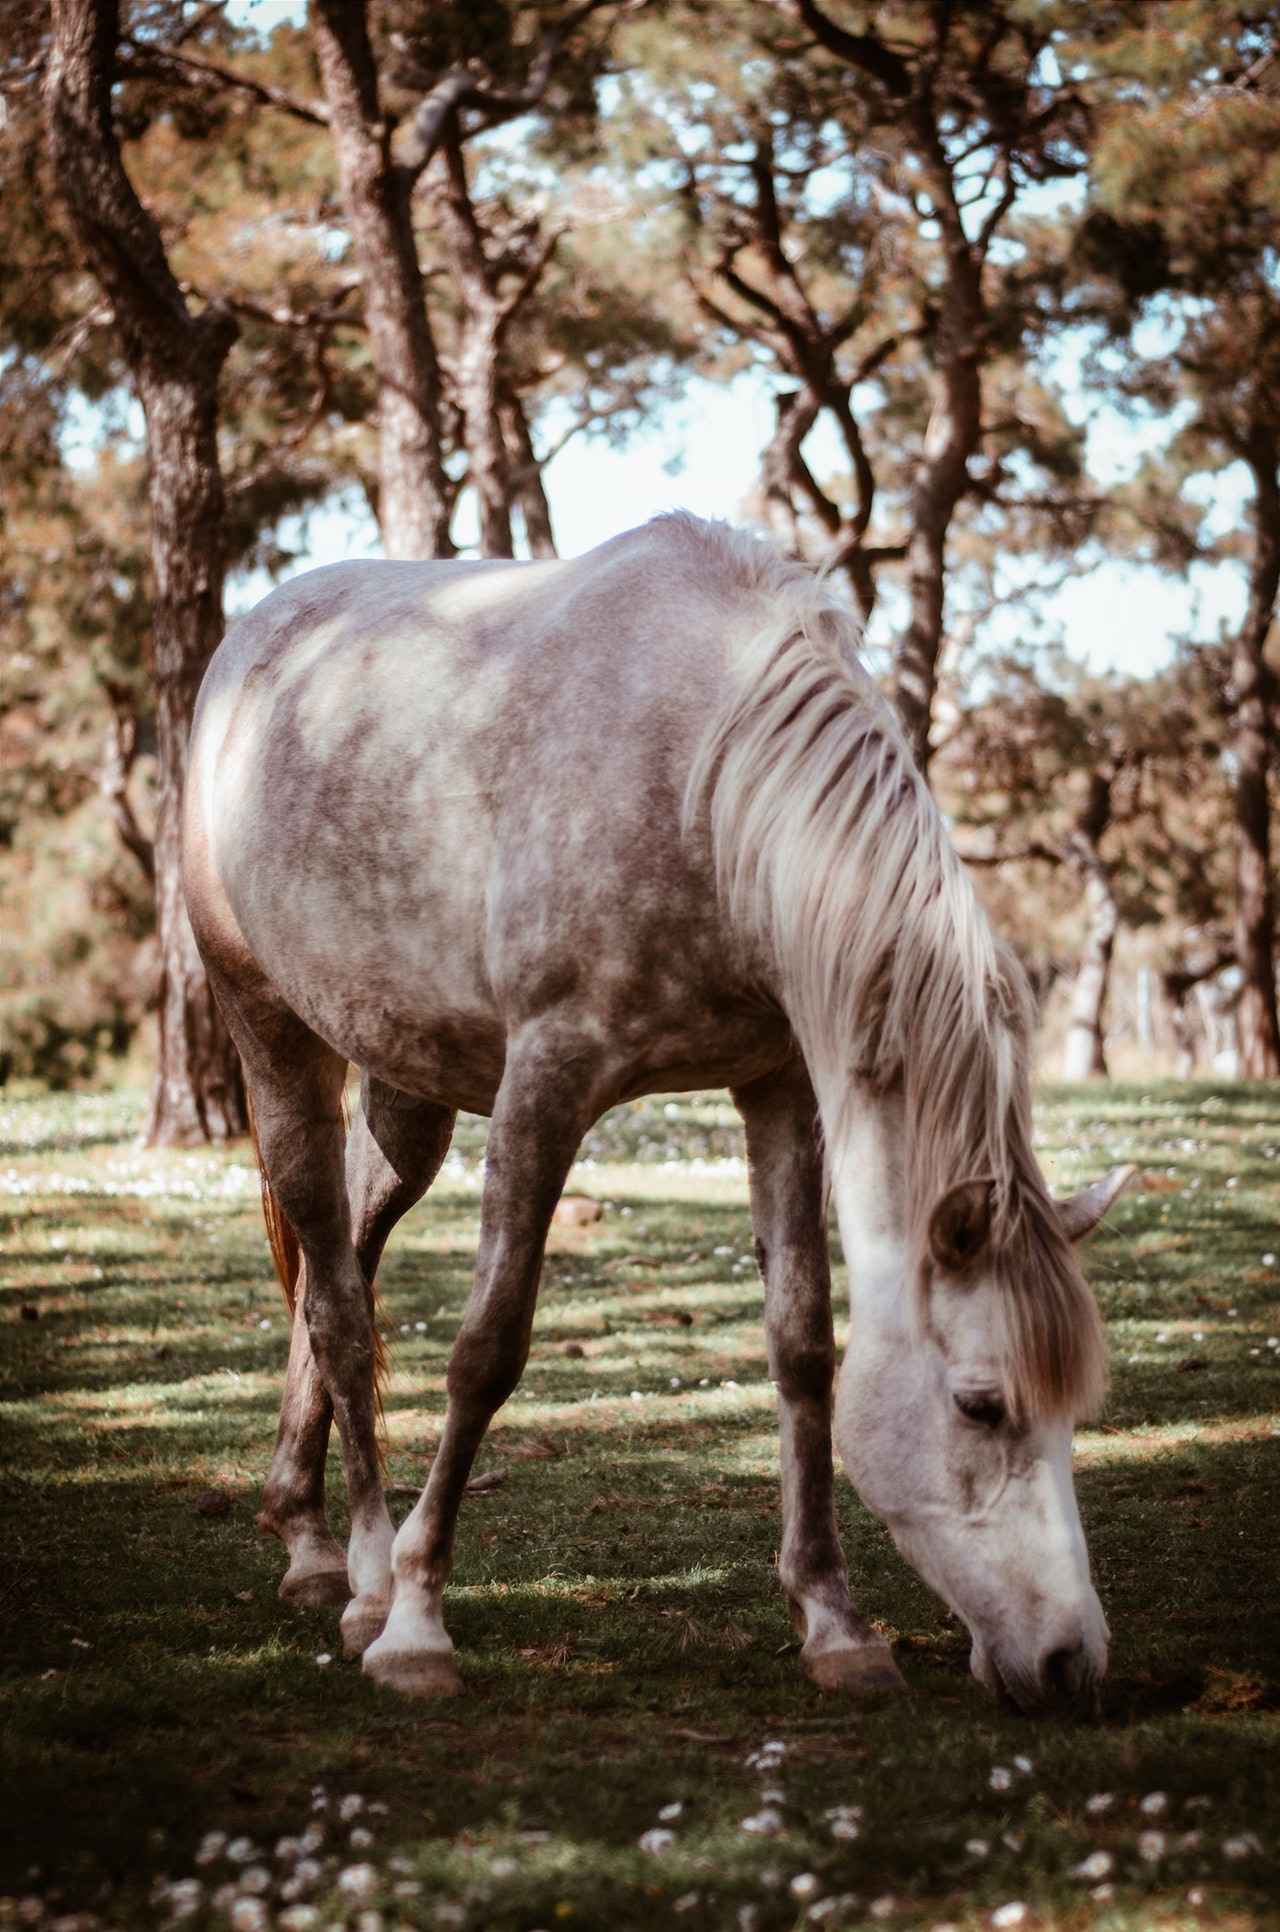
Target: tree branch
x,y
459,87
863,51
144,52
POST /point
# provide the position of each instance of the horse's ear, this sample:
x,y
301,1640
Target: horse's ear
x,y
960,1224
1081,1214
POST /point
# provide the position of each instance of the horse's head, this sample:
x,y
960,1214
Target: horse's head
x,y
940,1429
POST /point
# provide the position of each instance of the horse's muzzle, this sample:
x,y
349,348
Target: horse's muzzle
x,y
1067,1684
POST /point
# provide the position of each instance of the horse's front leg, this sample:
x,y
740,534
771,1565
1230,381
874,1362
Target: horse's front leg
x,y
840,1649
544,1104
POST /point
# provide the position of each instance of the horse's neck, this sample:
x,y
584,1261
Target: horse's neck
x,y
868,1181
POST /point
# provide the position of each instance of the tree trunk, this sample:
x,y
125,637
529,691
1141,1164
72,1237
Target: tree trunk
x,y
476,376
175,359
1252,680
414,496
953,434
524,478
1083,1057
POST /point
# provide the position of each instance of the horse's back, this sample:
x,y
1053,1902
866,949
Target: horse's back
x,y
437,796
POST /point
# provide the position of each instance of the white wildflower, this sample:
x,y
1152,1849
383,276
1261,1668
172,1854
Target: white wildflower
x,y
1001,1778
1101,1801
298,1918
361,1838
1240,1847
842,1905
977,1847
805,1884
883,1907
350,1807
241,1850
671,1811
358,1882
765,1823
249,1915
1099,1864
657,1841
1154,1803
1152,1846
255,1879
211,1846
185,1898
1014,1913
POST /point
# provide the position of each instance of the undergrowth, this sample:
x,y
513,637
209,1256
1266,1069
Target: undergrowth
x,y
624,1642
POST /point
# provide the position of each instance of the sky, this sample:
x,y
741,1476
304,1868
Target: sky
x,y
702,454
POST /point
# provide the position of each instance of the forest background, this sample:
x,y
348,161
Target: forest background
x,y
261,266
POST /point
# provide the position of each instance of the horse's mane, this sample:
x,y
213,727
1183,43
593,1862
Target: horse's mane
x,y
828,844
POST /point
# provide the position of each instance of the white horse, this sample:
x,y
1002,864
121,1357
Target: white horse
x,y
532,839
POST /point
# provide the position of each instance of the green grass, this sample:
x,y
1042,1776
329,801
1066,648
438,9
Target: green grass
x,y
618,1623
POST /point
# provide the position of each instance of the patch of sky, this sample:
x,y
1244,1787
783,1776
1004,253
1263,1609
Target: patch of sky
x,y
90,428
260,17
341,527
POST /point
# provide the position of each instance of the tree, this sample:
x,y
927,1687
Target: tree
x,y
1181,231
175,358
1116,785
962,99
454,63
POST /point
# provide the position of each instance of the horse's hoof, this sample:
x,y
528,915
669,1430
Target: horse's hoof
x,y
314,1587
418,1673
861,1668
362,1624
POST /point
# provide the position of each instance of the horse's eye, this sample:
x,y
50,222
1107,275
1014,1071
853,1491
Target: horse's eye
x,y
986,1409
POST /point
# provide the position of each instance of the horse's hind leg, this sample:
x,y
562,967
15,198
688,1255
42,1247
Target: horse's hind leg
x,y
295,1082
543,1107
393,1153
293,1499
840,1649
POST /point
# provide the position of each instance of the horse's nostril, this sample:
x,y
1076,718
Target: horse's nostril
x,y
1064,1673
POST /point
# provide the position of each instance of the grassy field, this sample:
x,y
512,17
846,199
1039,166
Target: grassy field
x,y
629,1660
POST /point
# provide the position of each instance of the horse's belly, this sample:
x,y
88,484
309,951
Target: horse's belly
x,y
388,967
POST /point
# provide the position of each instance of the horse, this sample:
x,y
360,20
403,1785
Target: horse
x,y
533,839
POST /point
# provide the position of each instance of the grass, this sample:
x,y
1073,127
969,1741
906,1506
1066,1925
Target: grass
x,y
623,1638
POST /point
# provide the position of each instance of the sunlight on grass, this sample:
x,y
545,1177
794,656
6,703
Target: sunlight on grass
x,y
615,1608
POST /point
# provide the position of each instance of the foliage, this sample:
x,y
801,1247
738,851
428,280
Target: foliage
x,y
1015,776
623,1638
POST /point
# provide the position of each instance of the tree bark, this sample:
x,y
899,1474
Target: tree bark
x,y
1083,1057
1252,681
175,359
524,478
476,371
952,436
415,499
955,425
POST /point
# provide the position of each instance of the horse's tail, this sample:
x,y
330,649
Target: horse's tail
x,y
286,1255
